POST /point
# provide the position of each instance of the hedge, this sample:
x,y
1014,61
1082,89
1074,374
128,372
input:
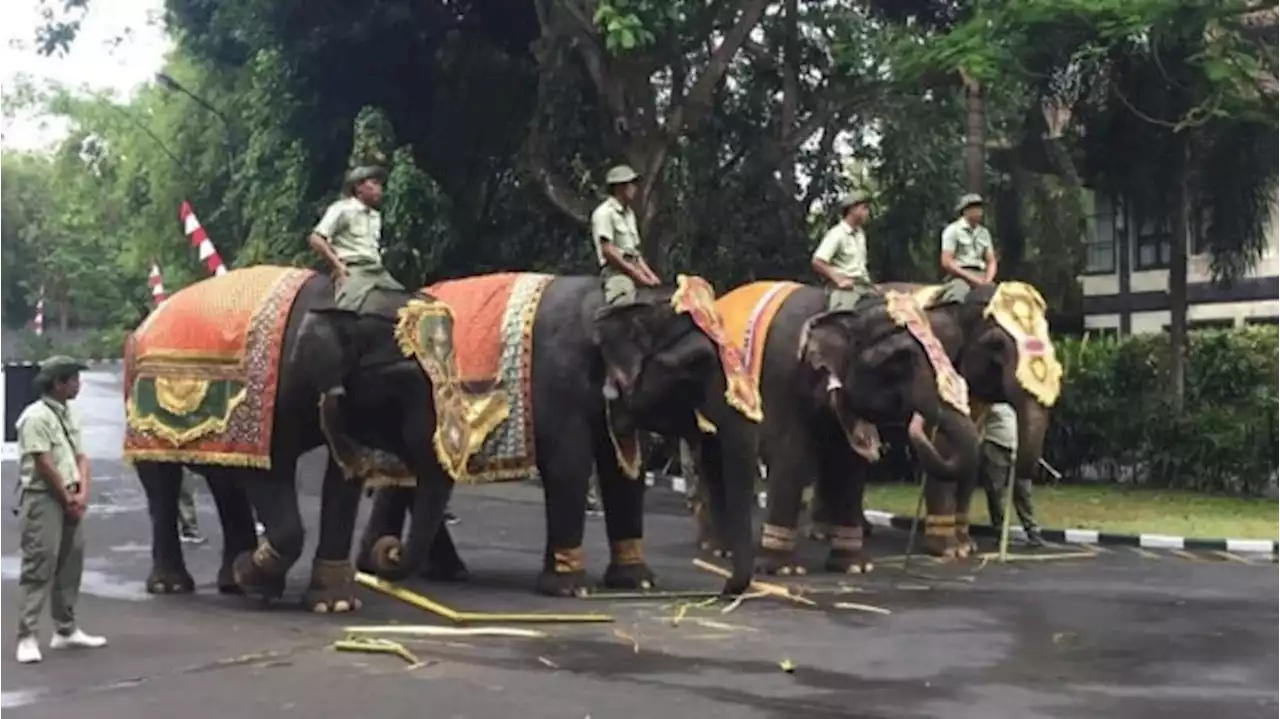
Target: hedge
x,y
1114,421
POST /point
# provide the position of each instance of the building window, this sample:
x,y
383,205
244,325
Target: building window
x,y
1262,321
1215,324
1100,236
1152,246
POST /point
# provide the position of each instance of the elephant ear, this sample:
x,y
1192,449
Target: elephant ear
x,y
825,345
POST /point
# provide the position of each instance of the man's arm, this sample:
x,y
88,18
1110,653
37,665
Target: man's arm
x,y
821,261
993,265
613,256
652,276
327,227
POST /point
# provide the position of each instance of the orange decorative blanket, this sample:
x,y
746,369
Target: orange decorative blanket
x,y
493,319
695,296
747,313
202,370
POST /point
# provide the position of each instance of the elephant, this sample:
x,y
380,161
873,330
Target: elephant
x,y
987,356
666,369
825,378
386,383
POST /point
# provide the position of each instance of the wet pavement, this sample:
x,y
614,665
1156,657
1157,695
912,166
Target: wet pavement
x,y
1122,634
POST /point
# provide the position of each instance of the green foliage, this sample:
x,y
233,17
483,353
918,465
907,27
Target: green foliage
x,y
1113,414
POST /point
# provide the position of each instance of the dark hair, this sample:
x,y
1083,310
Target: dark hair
x,y
45,384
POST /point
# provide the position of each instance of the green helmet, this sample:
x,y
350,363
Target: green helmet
x,y
620,175
853,198
967,201
359,174
58,367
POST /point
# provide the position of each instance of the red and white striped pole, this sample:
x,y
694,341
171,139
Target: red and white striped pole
x,y
156,283
200,240
39,320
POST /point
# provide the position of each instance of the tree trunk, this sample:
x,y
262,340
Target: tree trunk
x,y
1178,276
975,134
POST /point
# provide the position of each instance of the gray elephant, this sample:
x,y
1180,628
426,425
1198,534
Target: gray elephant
x,y
387,386
826,379
668,370
998,340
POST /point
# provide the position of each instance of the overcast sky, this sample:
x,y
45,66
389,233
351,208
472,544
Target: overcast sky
x,y
93,61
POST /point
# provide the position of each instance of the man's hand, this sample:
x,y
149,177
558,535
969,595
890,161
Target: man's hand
x,y
844,283
340,273
76,505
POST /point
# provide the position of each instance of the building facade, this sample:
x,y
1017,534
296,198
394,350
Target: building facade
x,y
1125,281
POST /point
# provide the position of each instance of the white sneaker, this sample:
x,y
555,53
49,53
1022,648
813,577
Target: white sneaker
x,y
28,650
76,640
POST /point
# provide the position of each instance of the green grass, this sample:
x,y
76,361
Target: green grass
x,y
1125,510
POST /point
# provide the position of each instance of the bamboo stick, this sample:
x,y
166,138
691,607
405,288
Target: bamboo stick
x,y
776,590
457,617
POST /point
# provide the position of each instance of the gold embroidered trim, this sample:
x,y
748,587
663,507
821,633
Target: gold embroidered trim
x,y
1019,309
180,396
774,537
627,552
939,525
631,465
569,561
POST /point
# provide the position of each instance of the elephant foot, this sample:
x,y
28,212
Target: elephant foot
x,y
940,536
847,556
848,562
965,544
227,583
563,584
170,582
777,551
256,573
627,569
566,575
332,588
780,563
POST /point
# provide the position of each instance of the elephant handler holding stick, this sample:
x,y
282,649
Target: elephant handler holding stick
x,y
968,254
999,445
616,237
841,257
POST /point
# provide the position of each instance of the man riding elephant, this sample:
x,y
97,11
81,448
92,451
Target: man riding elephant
x,y
841,257
968,254
348,236
617,240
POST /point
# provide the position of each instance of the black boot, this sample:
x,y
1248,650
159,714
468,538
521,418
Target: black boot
x,y
1034,538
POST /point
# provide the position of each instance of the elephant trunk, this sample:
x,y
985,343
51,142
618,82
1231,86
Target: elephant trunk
x,y
1033,423
729,462
955,432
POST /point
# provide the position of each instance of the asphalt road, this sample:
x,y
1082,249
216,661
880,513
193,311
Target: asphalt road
x,y
1120,635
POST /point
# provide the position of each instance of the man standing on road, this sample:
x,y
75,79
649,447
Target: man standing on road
x,y
968,254
999,447
188,525
841,257
54,483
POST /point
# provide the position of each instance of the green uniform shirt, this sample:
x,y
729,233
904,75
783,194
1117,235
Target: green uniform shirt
x,y
354,230
48,426
845,249
614,222
967,244
1000,426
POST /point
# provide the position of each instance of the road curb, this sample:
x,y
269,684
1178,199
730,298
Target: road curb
x,y
1093,536
92,362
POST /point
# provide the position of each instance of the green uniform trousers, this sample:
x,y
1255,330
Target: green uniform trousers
x,y
52,546
953,290
360,281
619,288
838,299
995,472
187,505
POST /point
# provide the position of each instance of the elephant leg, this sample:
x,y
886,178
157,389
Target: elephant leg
x,y
162,482
939,519
236,515
840,490
262,572
709,511
565,462
386,519
444,564
963,498
332,587
623,500
791,460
